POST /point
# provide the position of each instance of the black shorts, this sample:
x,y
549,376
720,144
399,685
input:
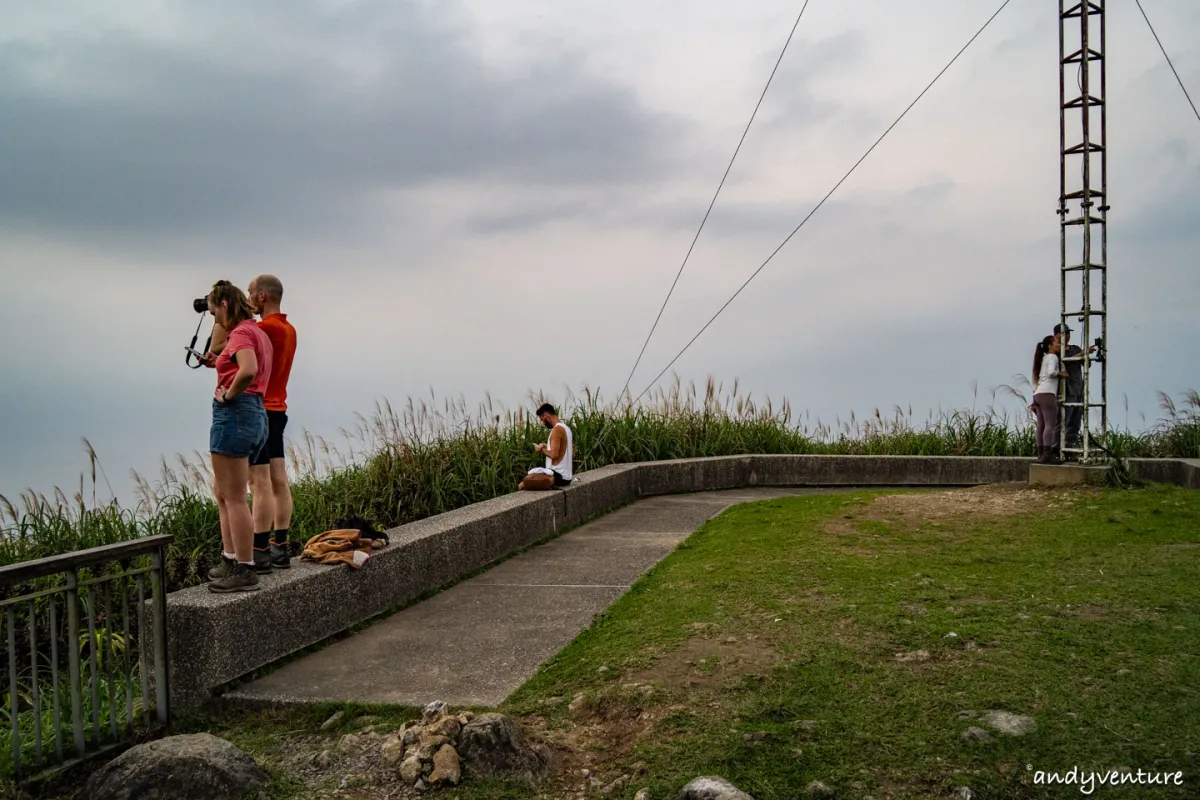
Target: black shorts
x,y
276,422
559,480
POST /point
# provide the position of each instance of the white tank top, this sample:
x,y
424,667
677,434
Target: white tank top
x,y
564,467
1048,379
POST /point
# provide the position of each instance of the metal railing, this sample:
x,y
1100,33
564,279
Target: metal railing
x,y
75,611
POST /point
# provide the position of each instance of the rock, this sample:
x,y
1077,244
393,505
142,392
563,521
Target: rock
x,y
1123,671
429,744
447,726
492,744
951,635
420,785
916,655
711,788
965,793
178,768
434,711
411,736
974,734
410,769
614,786
1008,723
643,794
322,760
817,789
602,670
350,744
446,767
363,722
757,736
577,704
333,721
391,753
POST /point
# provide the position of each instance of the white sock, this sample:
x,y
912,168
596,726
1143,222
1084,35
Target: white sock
x,y
230,556
249,563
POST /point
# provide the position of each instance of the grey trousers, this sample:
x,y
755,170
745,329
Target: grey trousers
x,y
1074,418
1046,412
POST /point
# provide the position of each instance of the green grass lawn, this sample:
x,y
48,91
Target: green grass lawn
x,y
785,618
807,639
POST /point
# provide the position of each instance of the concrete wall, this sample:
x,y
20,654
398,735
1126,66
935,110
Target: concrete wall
x,y
214,639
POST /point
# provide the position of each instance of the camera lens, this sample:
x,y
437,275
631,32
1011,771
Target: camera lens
x,y
200,305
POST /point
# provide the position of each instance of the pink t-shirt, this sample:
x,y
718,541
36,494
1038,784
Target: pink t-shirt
x,y
246,334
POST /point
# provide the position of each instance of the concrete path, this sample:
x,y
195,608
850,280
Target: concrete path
x,y
476,642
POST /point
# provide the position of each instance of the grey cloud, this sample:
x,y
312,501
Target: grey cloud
x,y
793,100
730,218
149,137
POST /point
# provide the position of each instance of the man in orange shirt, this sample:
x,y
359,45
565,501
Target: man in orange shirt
x,y
268,475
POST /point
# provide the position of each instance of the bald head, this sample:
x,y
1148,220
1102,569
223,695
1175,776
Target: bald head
x,y
268,285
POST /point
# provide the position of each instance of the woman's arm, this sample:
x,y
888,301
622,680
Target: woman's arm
x,y
247,370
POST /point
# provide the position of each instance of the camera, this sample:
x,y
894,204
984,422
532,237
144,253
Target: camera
x,y
1099,357
200,306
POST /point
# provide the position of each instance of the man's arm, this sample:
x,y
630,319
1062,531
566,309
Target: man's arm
x,y
558,445
1075,352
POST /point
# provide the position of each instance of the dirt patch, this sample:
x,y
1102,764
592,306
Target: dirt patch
x,y
1091,612
594,754
928,511
708,661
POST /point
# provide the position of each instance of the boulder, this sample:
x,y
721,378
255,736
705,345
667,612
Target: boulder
x,y
446,767
186,767
710,788
391,753
410,769
433,712
492,744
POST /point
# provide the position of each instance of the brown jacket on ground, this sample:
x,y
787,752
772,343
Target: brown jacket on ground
x,y
343,546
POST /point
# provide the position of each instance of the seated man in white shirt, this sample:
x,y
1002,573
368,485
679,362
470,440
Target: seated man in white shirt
x,y
560,453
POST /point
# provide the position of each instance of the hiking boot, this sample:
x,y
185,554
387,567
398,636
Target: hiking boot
x,y
222,570
279,556
262,561
242,578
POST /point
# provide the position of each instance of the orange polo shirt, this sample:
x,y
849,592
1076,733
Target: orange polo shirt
x,y
283,343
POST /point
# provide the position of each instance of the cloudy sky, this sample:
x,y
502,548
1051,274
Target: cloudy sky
x,y
473,196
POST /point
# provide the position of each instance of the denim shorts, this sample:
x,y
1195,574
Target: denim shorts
x,y
239,427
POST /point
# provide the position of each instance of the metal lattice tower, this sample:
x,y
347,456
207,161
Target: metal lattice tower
x,y
1083,211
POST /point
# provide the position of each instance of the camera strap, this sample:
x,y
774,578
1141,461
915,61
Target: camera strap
x,y
188,357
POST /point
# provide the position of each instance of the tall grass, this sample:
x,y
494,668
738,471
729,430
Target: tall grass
x,y
429,457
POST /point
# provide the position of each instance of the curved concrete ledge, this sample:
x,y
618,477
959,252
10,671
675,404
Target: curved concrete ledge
x,y
215,639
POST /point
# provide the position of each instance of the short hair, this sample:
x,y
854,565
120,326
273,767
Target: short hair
x,y
546,408
270,286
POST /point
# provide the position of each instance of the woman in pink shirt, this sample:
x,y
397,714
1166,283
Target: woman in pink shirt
x,y
238,433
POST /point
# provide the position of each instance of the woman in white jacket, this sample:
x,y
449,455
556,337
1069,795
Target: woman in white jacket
x,y
1047,370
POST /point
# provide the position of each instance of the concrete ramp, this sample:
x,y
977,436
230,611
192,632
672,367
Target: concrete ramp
x,y
476,642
